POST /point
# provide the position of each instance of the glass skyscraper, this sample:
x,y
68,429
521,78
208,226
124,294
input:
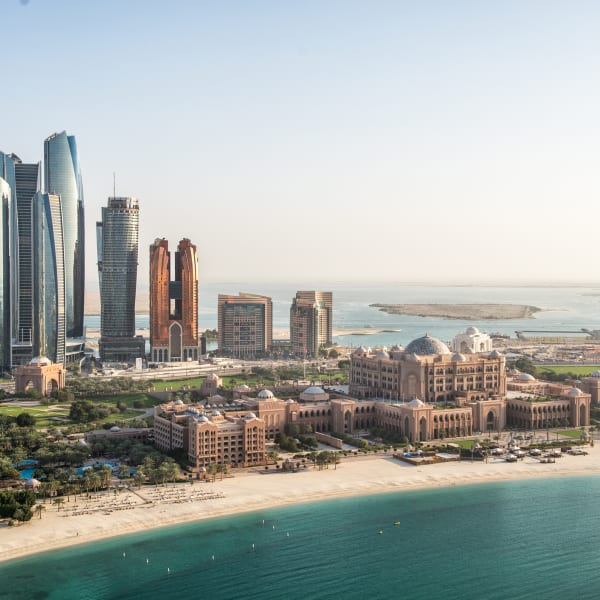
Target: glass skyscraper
x,y
117,240
62,177
5,287
49,278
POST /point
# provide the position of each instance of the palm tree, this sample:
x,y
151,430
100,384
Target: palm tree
x,y
59,502
39,508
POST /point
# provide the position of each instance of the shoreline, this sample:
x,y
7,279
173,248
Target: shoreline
x,y
253,491
465,312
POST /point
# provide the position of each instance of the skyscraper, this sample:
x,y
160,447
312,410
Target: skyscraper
x,y
245,325
27,184
311,322
63,178
5,287
173,304
49,326
117,241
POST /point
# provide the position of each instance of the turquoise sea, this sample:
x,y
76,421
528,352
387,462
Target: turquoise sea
x,y
536,539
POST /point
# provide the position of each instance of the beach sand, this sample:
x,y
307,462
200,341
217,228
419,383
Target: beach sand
x,y
245,491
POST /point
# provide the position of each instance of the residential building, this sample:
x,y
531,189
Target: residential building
x,y
245,325
174,303
62,177
5,273
117,240
311,322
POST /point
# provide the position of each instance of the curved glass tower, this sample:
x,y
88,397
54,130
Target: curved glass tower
x,y
49,278
117,239
63,178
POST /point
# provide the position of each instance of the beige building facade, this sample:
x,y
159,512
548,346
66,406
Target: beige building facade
x,y
311,322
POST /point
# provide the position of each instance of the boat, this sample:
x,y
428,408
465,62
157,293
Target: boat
x,y
396,522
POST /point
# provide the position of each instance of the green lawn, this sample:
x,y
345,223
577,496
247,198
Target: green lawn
x,y
572,433
148,400
178,384
581,370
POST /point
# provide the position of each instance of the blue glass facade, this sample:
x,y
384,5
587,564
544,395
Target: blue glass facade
x,y
49,278
117,238
62,177
5,287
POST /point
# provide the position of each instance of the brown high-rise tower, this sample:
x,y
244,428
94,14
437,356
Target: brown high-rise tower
x,y
173,304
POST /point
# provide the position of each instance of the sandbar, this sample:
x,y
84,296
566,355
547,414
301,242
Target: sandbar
x,y
252,490
469,312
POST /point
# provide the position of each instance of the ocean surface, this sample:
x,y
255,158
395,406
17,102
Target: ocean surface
x,y
535,539
564,308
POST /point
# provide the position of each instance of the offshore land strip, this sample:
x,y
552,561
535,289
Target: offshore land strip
x,y
251,490
467,312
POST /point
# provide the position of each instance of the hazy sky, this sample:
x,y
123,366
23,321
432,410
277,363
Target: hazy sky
x,y
325,140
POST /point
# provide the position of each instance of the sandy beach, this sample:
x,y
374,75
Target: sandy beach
x,y
151,507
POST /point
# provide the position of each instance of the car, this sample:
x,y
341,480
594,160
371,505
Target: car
x,y
578,452
535,452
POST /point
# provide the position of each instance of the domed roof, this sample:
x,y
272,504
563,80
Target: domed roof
x,y
416,402
427,345
396,348
290,401
595,374
40,360
494,354
361,350
249,416
215,413
525,377
243,388
472,331
203,419
412,356
382,354
458,357
264,394
314,390
574,392
115,428
179,402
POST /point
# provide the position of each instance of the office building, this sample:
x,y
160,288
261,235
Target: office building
x,y
5,286
49,327
63,178
245,325
27,184
117,242
173,303
311,322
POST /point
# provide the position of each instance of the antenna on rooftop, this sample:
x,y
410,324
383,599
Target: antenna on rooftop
x,y
114,185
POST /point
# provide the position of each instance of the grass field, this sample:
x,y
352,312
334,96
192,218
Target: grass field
x,y
580,370
178,384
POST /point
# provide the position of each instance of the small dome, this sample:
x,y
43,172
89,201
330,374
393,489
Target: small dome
x,y
249,416
458,357
416,402
265,394
115,428
40,360
472,331
382,354
215,413
427,345
525,377
595,374
360,351
178,402
574,392
243,388
314,390
203,419
494,354
412,356
290,401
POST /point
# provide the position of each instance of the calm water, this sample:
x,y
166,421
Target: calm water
x,y
565,308
518,540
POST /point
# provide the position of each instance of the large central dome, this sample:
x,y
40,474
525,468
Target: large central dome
x,y
427,345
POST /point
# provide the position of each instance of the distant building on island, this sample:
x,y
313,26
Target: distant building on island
x,y
245,325
117,239
174,303
311,322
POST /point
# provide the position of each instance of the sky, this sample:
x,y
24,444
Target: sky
x,y
325,141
